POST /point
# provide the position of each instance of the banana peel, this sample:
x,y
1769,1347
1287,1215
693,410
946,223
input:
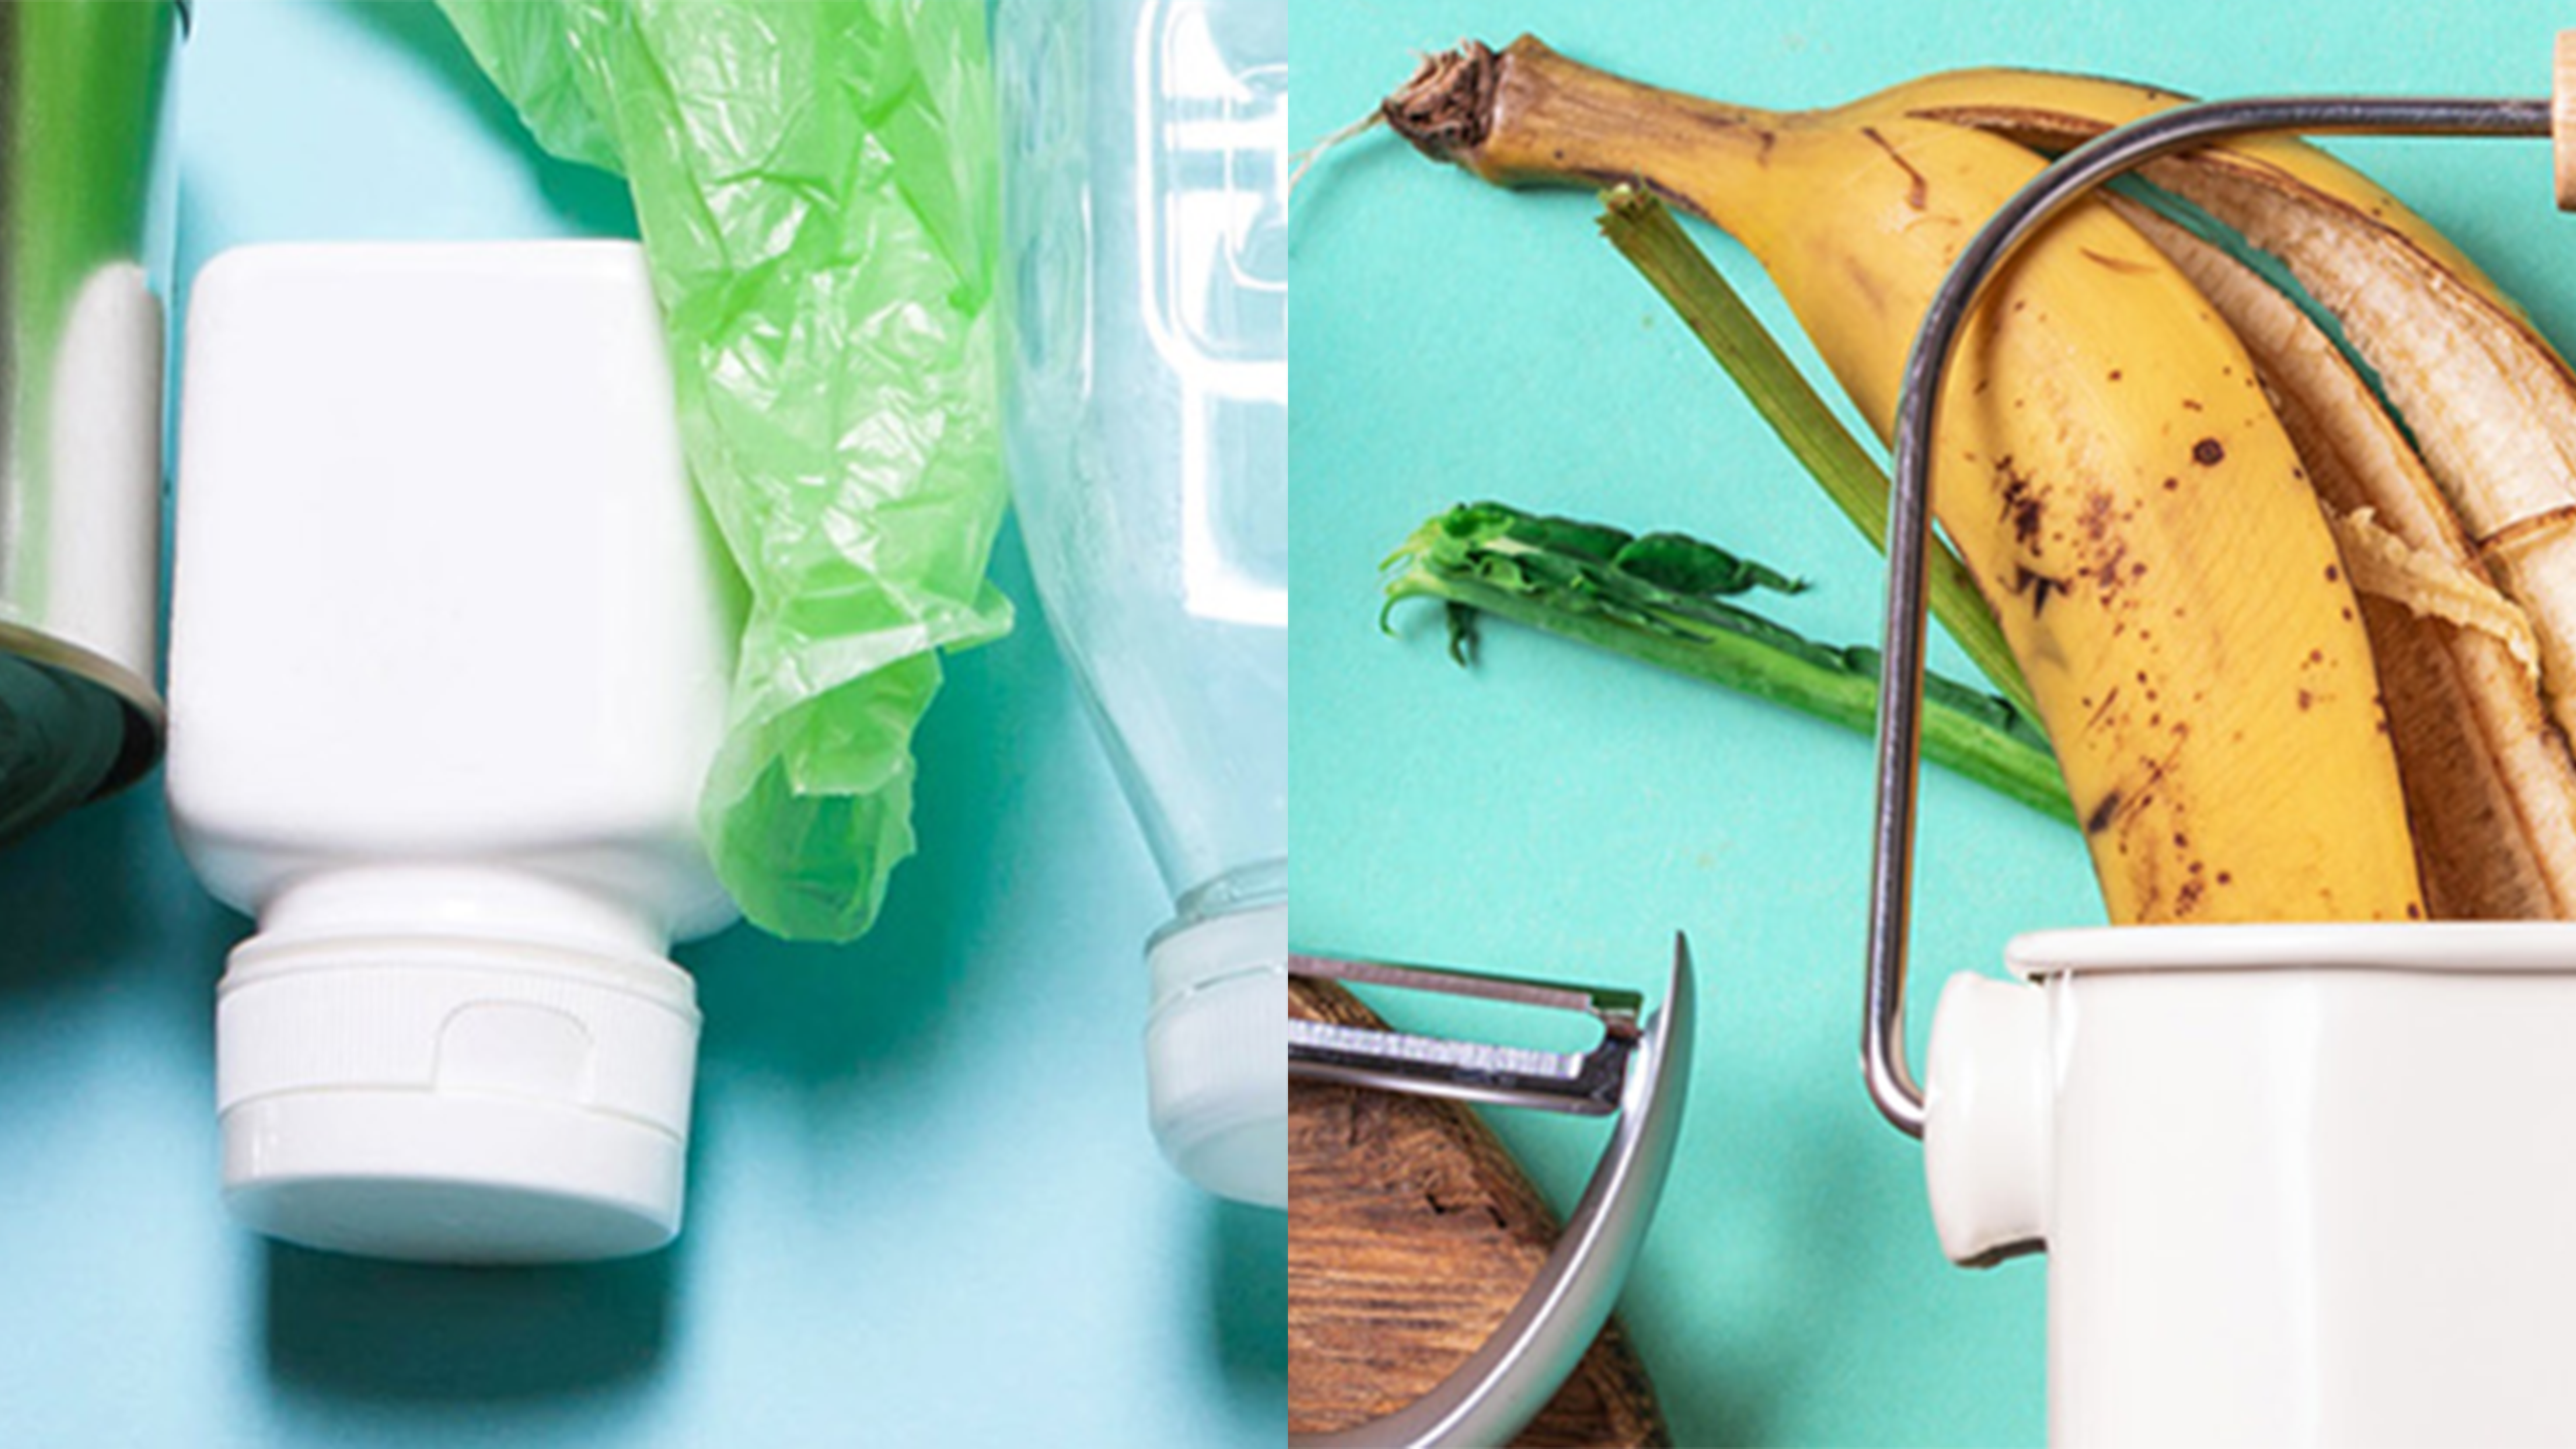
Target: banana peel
x,y
2110,467
2490,788
2490,403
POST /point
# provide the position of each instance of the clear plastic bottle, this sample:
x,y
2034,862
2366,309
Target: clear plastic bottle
x,y
1146,222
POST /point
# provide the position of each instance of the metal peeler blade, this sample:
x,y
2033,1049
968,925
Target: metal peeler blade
x,y
1640,1071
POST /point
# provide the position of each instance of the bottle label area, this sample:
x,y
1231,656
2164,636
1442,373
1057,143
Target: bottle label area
x,y
1213,156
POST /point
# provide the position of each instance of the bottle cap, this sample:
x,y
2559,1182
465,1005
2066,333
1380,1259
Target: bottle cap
x,y
1216,1051
454,1099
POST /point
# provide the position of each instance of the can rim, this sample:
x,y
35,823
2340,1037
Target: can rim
x,y
2451,947
147,718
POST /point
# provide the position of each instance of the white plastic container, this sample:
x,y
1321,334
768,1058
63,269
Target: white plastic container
x,y
2298,1185
449,650
1146,170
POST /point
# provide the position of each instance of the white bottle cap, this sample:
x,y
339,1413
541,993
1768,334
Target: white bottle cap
x,y
1216,1052
454,1099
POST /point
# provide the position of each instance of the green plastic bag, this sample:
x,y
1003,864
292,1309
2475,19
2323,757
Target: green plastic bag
x,y
815,184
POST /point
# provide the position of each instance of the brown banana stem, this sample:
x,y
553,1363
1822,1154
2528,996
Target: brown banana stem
x,y
1524,115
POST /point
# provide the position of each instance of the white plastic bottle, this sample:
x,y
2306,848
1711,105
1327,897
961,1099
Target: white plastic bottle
x,y
449,650
1145,217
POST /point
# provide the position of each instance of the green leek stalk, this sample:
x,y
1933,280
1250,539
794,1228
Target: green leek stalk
x,y
1660,599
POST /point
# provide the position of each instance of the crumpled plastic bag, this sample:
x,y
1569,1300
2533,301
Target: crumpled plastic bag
x,y
815,183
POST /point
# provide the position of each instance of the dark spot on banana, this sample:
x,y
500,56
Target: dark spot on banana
x,y
2103,814
2103,710
2038,585
2098,510
2111,576
2118,264
2021,504
2208,453
1917,190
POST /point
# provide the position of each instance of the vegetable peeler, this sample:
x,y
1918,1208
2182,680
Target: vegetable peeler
x,y
1638,1072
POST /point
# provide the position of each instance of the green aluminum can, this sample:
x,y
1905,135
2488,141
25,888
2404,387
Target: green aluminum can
x,y
86,201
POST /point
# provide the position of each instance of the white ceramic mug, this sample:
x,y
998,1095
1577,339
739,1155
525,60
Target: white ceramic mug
x,y
2299,1185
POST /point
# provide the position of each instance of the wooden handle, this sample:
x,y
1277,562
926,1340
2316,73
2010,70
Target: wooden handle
x,y
2562,118
1411,1232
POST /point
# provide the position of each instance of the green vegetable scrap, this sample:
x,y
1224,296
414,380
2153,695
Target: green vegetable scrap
x,y
815,185
1661,599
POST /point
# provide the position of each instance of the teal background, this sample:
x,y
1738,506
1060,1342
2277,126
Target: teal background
x,y
1553,812
924,1204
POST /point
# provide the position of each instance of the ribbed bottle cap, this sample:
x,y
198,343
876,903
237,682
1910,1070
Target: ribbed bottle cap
x,y
454,1100
1216,1052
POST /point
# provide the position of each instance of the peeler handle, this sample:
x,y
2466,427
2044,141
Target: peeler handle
x,y
1900,724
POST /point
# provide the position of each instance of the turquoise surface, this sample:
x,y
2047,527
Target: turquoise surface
x,y
925,1207
1553,812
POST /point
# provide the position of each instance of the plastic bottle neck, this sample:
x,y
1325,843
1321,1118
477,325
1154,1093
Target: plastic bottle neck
x,y
1246,887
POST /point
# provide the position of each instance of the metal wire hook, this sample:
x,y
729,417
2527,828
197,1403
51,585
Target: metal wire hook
x,y
1900,725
